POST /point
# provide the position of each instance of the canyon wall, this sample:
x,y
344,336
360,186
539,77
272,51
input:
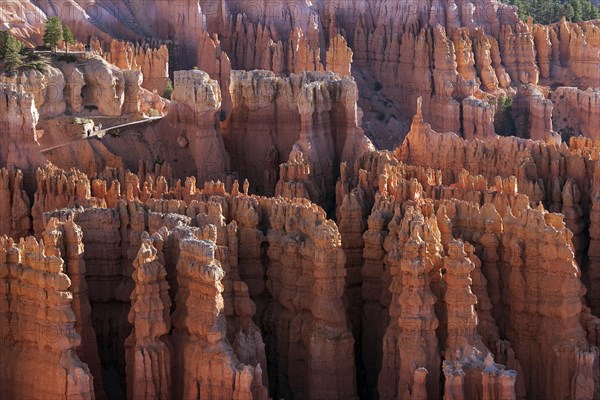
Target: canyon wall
x,y
461,264
39,338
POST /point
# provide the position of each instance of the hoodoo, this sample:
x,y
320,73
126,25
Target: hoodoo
x,y
224,199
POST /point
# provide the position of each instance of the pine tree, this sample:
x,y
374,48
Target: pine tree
x,y
168,90
577,10
53,33
569,12
67,37
12,57
3,36
550,11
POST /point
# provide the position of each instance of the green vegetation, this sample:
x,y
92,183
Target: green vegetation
x,y
504,123
67,37
80,121
168,90
40,66
566,134
10,51
32,60
550,11
53,33
158,160
153,113
68,58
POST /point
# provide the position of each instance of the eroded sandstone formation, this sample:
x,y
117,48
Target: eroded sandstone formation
x,y
39,326
18,118
460,265
152,62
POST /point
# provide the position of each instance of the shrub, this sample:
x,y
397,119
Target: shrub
x,y
566,134
68,58
168,90
158,160
504,122
80,121
153,112
40,66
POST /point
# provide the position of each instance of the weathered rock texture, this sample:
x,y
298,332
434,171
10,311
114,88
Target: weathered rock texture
x,y
152,62
231,339
577,111
15,207
147,348
447,255
19,147
39,335
311,116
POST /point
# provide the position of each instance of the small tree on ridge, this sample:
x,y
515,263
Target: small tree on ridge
x,y
67,37
53,33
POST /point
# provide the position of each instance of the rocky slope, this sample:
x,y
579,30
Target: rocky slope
x,y
258,240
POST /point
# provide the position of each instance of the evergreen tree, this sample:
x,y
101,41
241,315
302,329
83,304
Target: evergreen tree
x,y
168,90
550,11
53,33
12,56
67,37
578,10
569,12
3,37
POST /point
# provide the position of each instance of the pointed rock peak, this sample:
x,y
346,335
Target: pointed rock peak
x,y
419,115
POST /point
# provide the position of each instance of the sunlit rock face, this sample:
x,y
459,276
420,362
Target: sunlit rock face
x,y
338,200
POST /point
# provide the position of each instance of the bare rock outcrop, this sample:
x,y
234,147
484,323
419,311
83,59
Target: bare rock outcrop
x,y
315,114
339,56
576,111
533,113
152,62
477,119
15,207
306,279
410,353
193,116
104,87
74,83
147,349
65,239
19,147
468,364
46,87
204,359
41,331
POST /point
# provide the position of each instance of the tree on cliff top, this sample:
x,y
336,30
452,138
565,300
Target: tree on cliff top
x,y
168,90
67,37
53,33
10,48
550,11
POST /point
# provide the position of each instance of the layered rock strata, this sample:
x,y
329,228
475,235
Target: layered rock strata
x,y
44,331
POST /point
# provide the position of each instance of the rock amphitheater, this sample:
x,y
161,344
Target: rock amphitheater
x,y
327,207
